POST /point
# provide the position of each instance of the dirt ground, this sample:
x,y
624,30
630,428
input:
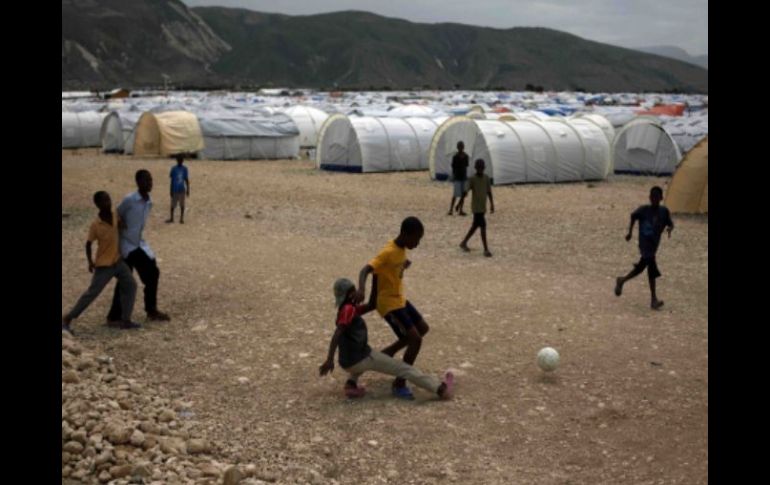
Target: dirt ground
x,y
248,283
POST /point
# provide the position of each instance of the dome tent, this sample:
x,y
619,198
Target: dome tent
x,y
643,146
554,150
689,187
81,129
368,144
167,133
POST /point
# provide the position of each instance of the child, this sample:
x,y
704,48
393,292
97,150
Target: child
x,y
653,219
356,357
404,319
179,177
108,265
481,185
459,178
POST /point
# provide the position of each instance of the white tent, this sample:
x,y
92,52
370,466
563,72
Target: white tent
x,y
552,150
117,132
366,144
643,146
308,121
259,137
79,130
602,122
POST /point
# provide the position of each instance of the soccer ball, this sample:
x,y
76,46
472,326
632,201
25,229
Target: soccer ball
x,y
548,359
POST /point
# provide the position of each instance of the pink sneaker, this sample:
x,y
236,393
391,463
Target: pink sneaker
x,y
354,392
449,386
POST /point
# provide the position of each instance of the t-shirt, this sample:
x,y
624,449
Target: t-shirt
x,y
480,187
388,265
178,176
460,166
652,222
107,252
354,345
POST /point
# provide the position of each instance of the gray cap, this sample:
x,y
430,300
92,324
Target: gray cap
x,y
341,288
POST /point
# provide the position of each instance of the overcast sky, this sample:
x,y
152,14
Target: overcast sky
x,y
626,23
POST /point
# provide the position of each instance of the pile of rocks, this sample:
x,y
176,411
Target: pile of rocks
x,y
119,431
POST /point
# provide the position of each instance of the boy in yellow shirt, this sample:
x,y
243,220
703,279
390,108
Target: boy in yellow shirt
x,y
407,323
108,265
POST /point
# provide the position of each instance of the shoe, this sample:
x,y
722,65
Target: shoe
x,y
129,325
618,286
354,392
158,316
449,386
403,393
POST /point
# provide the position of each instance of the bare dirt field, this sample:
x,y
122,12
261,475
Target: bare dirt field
x,y
248,283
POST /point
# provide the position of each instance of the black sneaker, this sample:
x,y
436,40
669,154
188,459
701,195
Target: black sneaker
x,y
129,325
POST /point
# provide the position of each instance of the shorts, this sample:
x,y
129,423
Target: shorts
x,y
402,318
459,188
479,220
177,197
649,263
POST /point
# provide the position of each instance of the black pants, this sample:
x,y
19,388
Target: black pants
x,y
149,274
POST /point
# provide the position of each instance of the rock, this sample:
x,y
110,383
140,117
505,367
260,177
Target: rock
x,y
85,363
118,434
143,470
120,471
266,476
209,470
195,446
105,476
104,457
70,346
149,427
70,377
250,470
79,436
233,476
73,447
166,415
149,442
173,445
137,438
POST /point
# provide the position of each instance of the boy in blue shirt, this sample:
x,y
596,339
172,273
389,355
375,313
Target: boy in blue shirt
x,y
179,178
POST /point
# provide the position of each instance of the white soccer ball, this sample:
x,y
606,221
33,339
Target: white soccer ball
x,y
548,359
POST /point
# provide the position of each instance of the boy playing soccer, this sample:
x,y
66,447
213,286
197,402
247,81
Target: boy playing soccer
x,y
356,357
481,185
653,219
407,323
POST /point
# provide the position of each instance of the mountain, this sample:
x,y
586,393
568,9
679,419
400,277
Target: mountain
x,y
677,53
108,43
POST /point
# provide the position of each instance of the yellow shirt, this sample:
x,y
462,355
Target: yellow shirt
x,y
389,267
107,253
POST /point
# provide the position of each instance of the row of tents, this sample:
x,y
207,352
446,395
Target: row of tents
x,y
521,147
